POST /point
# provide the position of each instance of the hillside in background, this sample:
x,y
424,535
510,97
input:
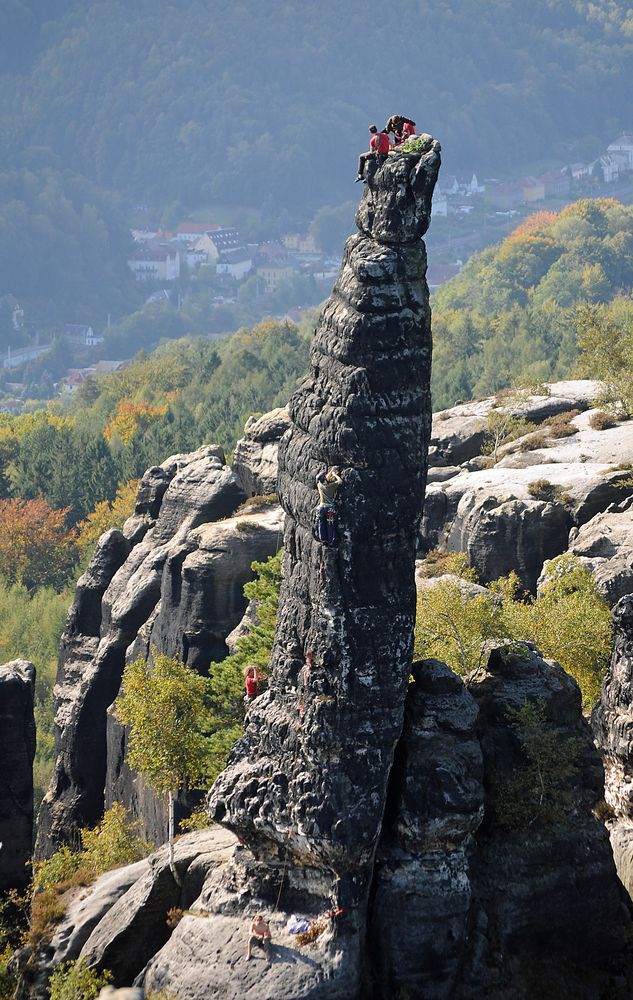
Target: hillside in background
x,y
513,312
267,104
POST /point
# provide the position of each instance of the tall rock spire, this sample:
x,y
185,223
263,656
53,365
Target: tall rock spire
x,y
310,775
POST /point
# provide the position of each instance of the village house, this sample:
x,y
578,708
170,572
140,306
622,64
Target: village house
x,y
624,144
532,189
237,262
273,275
155,261
299,243
556,183
188,232
505,196
578,171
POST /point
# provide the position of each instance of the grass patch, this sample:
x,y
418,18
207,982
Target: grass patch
x,y
601,420
560,425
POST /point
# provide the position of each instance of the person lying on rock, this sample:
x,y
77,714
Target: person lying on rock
x,y
401,128
260,935
379,146
328,484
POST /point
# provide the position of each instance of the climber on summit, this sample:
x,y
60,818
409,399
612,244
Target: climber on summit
x,y
328,485
400,127
379,146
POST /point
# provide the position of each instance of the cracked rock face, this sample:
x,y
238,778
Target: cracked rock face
x,y
310,774
17,751
172,579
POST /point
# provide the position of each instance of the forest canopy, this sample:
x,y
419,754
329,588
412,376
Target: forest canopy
x,y
515,312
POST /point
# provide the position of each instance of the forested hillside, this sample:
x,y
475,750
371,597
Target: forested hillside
x,y
516,310
267,104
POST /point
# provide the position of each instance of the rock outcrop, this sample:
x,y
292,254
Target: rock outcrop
x,y
612,724
171,579
514,509
255,455
605,545
17,751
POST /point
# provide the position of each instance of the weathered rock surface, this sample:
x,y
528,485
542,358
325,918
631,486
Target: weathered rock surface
x,y
612,725
343,642
605,545
549,913
519,512
17,750
255,455
172,579
201,601
422,895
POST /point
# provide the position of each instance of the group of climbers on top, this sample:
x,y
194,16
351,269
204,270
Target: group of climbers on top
x,y
397,130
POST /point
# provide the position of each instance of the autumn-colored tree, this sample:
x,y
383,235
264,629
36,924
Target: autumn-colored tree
x,y
36,549
131,417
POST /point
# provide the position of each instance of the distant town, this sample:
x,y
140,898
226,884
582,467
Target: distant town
x,y
469,213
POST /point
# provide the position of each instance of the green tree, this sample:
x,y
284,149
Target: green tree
x,y
164,703
77,981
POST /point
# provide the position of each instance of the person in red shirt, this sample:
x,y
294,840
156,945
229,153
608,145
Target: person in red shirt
x,y
251,683
379,146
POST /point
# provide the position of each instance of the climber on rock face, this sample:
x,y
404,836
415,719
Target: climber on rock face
x,y
400,127
328,485
379,146
259,934
250,683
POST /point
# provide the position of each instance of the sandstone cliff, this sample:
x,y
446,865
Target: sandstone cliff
x,y
17,750
172,579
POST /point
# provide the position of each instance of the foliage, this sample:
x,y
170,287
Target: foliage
x,y
65,93
77,981
540,791
107,514
114,842
164,704
31,624
601,421
501,428
226,684
8,981
522,310
569,622
605,335
131,418
36,549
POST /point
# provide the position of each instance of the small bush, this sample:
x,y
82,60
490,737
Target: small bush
x,y
437,563
114,842
560,426
259,500
541,489
601,420
59,868
76,981
8,981
533,442
199,820
539,792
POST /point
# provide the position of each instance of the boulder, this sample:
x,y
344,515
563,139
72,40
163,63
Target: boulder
x,y
255,455
605,545
515,519
612,725
549,915
422,872
17,751
459,432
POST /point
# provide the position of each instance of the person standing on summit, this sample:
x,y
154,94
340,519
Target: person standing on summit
x,y
379,146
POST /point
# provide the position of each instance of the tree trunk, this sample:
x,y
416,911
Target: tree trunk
x,y
171,839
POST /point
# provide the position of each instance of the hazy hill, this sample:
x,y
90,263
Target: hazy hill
x,y
268,103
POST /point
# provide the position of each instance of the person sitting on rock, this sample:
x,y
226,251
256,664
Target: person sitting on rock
x,y
379,146
328,485
401,128
260,935
250,682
